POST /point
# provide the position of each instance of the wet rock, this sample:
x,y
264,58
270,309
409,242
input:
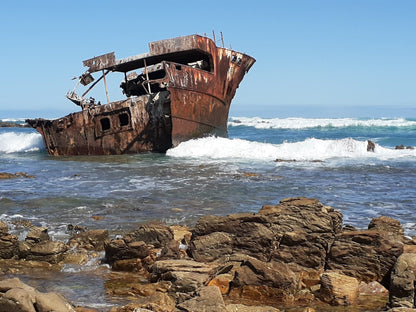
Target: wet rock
x,y
154,234
119,249
402,283
6,175
367,255
207,299
48,251
338,289
17,296
89,240
185,275
9,244
370,146
37,235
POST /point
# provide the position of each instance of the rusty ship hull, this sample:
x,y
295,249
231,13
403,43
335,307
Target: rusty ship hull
x,y
183,92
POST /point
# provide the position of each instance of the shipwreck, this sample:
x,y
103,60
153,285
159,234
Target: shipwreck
x,y
181,89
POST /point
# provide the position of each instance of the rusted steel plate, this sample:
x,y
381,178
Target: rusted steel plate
x,y
100,62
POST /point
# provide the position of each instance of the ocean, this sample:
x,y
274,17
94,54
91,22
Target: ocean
x,y
263,161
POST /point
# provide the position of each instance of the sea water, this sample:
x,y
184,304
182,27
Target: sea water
x,y
262,162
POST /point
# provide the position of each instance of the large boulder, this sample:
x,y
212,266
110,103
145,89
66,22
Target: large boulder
x,y
402,283
298,230
17,296
367,255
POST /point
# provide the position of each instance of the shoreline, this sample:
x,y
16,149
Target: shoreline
x,y
296,255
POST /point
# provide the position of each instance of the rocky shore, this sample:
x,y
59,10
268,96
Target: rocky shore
x,y
294,256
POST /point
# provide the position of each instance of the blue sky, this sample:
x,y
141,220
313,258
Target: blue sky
x,y
338,55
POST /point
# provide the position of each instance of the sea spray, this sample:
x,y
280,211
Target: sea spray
x,y
13,142
311,149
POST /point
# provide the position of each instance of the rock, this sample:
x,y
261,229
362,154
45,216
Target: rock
x,y
49,251
6,175
9,246
89,240
386,224
367,255
155,234
264,282
128,265
119,249
37,235
4,229
185,275
307,229
208,299
17,296
297,230
222,281
157,302
402,283
244,308
370,146
212,246
338,289
373,288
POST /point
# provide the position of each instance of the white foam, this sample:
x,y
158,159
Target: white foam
x,y
304,123
12,142
308,150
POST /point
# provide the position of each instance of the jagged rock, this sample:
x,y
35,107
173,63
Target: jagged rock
x,y
297,230
48,251
207,299
185,275
154,234
37,235
402,283
4,229
338,289
89,240
386,224
9,244
367,255
264,282
119,249
17,296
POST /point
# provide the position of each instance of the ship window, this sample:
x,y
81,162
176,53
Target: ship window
x,y
124,119
178,67
105,123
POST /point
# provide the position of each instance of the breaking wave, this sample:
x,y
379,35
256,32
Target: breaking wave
x,y
304,123
13,142
308,150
